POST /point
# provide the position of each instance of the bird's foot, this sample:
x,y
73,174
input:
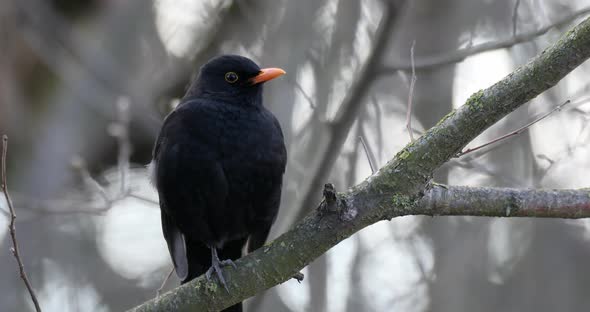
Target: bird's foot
x,y
216,266
228,262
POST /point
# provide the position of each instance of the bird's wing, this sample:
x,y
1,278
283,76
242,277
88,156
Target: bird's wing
x,y
191,184
268,210
176,245
268,206
258,237
174,238
190,258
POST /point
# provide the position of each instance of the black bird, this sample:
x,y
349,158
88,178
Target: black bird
x,y
218,166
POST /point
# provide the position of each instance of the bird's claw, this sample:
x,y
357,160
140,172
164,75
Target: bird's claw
x,y
227,262
216,266
219,272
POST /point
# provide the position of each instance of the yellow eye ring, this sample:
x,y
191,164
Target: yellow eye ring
x,y
231,77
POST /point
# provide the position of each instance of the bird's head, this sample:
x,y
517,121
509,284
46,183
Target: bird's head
x,y
232,78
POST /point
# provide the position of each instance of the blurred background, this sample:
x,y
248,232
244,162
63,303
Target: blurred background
x,y
85,85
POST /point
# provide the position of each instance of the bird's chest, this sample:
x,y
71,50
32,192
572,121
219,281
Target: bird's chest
x,y
250,141
250,152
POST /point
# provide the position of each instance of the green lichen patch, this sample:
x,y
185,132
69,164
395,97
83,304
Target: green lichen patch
x,y
403,202
211,287
474,102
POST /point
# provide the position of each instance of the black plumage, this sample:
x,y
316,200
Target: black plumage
x,y
218,166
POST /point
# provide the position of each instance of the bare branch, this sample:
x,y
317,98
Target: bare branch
x,y
515,132
122,135
411,93
55,206
119,130
12,228
369,155
159,291
306,96
476,154
66,206
80,165
515,17
461,54
143,198
506,202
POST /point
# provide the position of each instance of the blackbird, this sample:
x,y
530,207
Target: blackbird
x,y
218,166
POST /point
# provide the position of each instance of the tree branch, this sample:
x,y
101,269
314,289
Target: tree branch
x,y
461,54
12,229
411,93
505,202
399,187
515,17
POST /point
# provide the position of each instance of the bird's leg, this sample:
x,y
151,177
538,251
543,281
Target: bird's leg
x,y
216,265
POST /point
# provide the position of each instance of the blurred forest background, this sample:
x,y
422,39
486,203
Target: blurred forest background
x,y
85,85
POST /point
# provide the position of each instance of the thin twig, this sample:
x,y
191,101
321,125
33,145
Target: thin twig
x,y
92,184
411,93
369,155
80,166
159,291
515,132
121,132
143,198
65,206
515,17
306,96
53,206
12,229
571,107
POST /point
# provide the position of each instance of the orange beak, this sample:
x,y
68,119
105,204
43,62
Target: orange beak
x,y
267,74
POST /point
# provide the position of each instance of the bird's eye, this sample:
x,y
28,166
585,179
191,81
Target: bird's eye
x,y
231,77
